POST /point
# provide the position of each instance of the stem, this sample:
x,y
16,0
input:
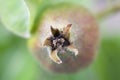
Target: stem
x,y
108,11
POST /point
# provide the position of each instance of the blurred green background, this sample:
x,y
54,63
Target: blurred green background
x,y
17,63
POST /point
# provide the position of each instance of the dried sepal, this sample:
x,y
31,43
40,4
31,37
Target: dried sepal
x,y
66,31
55,32
53,56
47,42
72,49
67,28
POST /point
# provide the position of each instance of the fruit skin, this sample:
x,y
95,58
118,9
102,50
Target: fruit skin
x,y
84,34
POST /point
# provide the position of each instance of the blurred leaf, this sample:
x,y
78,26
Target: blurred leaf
x,y
16,63
5,38
15,16
33,6
108,61
86,3
85,74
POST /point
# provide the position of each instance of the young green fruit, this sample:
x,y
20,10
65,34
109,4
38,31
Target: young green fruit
x,y
66,39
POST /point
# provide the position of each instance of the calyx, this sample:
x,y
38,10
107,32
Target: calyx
x,y
59,42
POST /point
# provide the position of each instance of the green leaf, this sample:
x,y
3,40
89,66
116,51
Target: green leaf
x,y
15,17
108,61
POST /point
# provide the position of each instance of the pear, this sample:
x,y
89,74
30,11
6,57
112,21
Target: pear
x,y
66,39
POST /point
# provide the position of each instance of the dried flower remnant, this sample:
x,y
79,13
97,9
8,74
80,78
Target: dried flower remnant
x,y
59,42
